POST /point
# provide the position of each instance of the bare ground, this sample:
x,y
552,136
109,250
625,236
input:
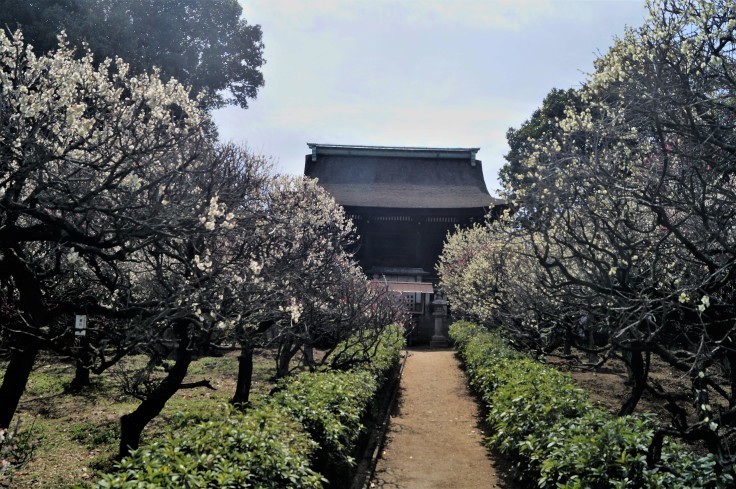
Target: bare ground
x,y
607,384
435,436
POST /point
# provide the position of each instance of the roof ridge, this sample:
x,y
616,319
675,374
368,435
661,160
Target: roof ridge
x,y
396,148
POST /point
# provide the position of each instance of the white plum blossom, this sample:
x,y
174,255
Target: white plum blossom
x,y
636,182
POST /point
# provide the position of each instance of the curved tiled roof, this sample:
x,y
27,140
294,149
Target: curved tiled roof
x,y
430,178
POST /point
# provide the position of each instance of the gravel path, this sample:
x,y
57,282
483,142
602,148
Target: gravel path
x,y
433,440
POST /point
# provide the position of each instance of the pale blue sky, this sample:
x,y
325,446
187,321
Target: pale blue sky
x,y
444,73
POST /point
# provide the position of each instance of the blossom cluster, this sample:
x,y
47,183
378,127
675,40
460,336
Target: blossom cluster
x,y
624,226
116,203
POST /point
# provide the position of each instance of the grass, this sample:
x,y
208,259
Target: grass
x,y
76,435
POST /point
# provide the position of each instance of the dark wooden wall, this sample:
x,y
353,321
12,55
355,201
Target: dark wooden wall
x,y
407,238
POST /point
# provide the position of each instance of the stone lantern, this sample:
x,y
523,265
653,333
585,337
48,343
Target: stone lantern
x,y
439,313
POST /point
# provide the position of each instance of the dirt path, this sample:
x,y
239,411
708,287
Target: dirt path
x,y
434,439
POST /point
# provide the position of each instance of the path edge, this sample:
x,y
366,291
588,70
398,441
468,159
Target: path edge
x,y
367,466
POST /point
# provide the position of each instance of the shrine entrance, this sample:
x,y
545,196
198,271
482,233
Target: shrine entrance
x,y
404,202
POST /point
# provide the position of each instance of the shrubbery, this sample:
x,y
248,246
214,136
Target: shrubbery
x,y
329,405
555,436
262,448
313,420
379,357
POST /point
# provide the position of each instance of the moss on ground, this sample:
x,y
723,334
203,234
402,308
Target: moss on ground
x,y
76,435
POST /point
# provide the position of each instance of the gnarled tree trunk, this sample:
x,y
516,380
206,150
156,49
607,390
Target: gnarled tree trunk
x,y
286,352
14,383
81,372
245,376
639,370
24,343
132,424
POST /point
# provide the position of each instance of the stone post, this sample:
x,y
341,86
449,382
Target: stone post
x,y
439,313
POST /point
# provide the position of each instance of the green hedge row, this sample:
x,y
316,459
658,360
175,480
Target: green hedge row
x,y
312,422
330,407
554,436
262,448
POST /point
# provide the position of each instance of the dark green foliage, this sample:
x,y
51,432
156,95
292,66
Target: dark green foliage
x,y
542,124
40,20
386,354
263,448
313,422
202,43
329,405
554,436
597,450
378,356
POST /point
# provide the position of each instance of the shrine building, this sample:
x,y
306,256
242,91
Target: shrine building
x,y
403,202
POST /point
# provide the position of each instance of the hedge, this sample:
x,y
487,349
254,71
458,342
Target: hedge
x,y
259,449
380,358
313,421
554,436
330,407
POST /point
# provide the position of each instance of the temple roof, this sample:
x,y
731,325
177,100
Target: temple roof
x,y
421,287
381,176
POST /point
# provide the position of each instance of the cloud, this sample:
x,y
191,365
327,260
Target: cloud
x,y
498,14
511,15
415,72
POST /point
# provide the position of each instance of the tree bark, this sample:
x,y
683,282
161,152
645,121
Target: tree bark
x,y
567,342
592,356
286,352
639,370
14,383
731,356
81,373
132,424
245,376
309,357
25,343
81,378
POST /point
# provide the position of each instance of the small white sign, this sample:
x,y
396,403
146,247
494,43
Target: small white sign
x,y
80,325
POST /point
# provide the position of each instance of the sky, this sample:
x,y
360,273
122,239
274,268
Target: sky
x,y
423,73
